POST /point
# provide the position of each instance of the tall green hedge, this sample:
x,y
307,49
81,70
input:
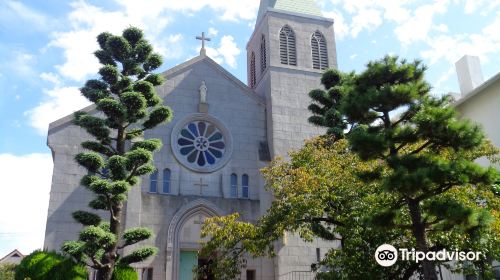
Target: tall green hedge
x,y
41,265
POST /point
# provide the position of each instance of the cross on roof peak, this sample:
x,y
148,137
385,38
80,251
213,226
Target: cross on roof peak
x,y
203,39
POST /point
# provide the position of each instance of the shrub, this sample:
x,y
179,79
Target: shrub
x,y
124,273
42,265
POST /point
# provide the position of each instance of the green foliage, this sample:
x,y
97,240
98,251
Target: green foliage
x,y
42,265
403,175
319,194
7,271
392,118
134,235
124,273
86,218
128,104
138,255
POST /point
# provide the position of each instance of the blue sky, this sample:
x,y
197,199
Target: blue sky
x,y
46,55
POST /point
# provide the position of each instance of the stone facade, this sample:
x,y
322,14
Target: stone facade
x,y
272,115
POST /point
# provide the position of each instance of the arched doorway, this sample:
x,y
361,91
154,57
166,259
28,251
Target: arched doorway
x,y
184,237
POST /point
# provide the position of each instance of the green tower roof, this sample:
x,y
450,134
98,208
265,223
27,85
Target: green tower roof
x,y
307,7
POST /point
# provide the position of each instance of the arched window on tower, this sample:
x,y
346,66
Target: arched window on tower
x,y
166,180
153,182
244,186
319,51
263,61
253,79
288,53
234,185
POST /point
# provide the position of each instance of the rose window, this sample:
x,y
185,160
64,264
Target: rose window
x,y
201,143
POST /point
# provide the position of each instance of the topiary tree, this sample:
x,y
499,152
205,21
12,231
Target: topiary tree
x,y
390,116
128,105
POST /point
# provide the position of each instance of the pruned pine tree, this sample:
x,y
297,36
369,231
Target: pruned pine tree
x,y
424,148
127,105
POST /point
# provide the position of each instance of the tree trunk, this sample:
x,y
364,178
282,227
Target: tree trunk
x,y
105,273
418,229
111,254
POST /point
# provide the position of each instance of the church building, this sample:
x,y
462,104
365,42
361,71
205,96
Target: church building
x,y
222,133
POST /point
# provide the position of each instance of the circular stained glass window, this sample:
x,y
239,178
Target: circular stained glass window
x,y
201,144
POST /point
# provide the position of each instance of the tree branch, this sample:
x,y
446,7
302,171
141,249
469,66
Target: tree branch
x,y
419,149
322,219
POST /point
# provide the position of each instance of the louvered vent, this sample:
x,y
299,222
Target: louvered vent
x,y
263,62
288,53
252,70
319,51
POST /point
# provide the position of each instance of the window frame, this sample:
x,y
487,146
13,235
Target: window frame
x,y
263,54
245,186
320,51
155,180
233,186
166,181
253,74
288,46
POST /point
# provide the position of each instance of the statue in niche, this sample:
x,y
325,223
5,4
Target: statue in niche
x,y
203,92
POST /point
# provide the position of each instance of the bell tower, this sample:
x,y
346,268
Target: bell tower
x,y
291,46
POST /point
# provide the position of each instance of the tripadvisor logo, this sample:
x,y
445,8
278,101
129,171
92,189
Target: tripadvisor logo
x,y
387,255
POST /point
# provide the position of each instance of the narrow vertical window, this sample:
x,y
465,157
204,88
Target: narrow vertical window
x,y
288,54
253,79
166,180
319,51
244,186
263,61
318,254
234,185
153,182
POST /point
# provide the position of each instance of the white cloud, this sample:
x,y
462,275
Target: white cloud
x,y
365,19
20,14
60,101
175,38
353,56
24,197
212,31
87,21
366,15
79,43
483,5
51,77
21,63
452,47
226,52
340,26
170,47
417,27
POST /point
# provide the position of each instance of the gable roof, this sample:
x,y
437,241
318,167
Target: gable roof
x,y
169,72
307,7
204,58
13,254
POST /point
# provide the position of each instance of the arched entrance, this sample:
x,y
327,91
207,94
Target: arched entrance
x,y
184,237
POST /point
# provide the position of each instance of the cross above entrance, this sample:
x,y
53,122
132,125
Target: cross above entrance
x,y
203,39
201,185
